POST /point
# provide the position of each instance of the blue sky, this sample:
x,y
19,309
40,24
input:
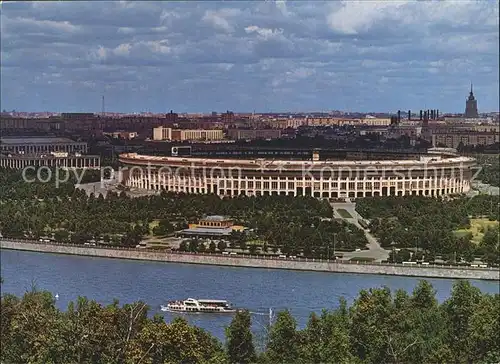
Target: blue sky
x,y
243,56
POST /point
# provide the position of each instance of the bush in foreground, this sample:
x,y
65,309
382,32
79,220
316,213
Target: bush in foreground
x,y
379,327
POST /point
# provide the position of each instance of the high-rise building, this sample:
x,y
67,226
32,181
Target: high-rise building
x,y
471,105
171,117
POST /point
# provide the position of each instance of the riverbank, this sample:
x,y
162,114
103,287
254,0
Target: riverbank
x,y
257,262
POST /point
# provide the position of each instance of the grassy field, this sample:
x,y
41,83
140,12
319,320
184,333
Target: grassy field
x,y
477,229
344,213
153,224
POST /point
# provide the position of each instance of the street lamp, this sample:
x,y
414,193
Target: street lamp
x,y
334,241
416,247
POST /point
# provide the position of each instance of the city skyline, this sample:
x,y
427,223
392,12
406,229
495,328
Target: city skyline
x,y
243,56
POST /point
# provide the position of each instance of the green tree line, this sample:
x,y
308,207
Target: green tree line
x,y
379,326
490,168
293,224
430,224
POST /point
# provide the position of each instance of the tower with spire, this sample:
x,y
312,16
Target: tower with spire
x,y
471,105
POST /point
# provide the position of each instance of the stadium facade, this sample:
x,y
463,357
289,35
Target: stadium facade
x,y
437,172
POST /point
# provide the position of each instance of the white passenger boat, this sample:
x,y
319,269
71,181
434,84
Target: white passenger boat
x,y
192,305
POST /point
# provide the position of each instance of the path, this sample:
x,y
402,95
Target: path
x,y
105,186
374,250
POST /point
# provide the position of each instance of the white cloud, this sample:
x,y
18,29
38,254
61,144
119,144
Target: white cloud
x,y
219,19
356,17
126,30
265,33
122,49
224,66
98,54
40,25
159,46
271,55
281,5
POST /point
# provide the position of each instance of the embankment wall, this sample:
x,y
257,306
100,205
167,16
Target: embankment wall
x,y
253,262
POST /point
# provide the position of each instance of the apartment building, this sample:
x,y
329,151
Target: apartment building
x,y
162,133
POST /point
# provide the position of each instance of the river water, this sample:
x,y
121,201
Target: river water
x,y
155,283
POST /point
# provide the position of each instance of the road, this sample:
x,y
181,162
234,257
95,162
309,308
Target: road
x,y
374,250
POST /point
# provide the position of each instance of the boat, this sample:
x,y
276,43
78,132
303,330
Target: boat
x,y
192,305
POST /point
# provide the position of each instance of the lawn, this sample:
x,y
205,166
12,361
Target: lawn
x,y
153,224
344,213
477,229
256,242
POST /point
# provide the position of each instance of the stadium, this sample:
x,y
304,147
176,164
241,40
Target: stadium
x,y
234,171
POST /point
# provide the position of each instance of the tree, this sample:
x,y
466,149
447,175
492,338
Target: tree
x,y
483,329
369,330
33,326
183,247
61,236
80,238
252,248
131,239
240,348
177,342
243,245
221,246
326,338
193,245
424,296
212,247
283,340
164,227
459,308
379,327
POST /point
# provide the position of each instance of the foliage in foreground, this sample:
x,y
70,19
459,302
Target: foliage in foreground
x,y
379,327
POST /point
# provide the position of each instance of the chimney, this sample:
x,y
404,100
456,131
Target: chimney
x,y
399,116
409,114
432,114
426,119
437,114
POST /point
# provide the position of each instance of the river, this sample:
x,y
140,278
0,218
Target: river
x,y
258,290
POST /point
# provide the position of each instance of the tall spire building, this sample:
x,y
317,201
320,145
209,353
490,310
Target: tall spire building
x,y
471,105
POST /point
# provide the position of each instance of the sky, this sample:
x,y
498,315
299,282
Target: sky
x,y
267,56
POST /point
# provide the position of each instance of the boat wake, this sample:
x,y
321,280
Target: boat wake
x,y
259,313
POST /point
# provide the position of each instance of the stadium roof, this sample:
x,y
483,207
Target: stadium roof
x,y
35,140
